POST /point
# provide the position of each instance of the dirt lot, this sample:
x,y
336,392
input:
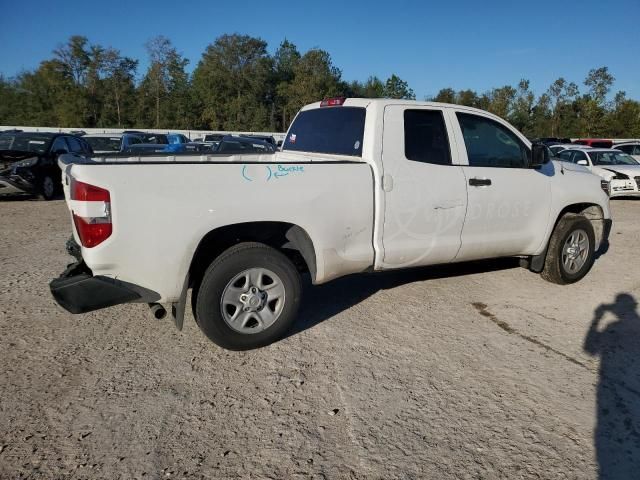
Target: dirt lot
x,y
470,371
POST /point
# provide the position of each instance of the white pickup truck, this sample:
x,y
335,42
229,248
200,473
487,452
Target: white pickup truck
x,y
360,185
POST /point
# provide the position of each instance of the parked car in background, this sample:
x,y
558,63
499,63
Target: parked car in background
x,y
177,138
111,143
213,137
630,148
197,147
551,140
594,142
236,145
264,138
156,148
148,137
29,161
559,147
622,171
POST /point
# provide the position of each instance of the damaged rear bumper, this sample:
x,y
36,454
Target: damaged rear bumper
x,y
78,291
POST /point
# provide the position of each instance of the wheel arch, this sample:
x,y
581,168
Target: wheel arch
x,y
292,240
592,211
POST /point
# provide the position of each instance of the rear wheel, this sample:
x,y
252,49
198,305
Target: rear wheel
x,y
571,250
248,298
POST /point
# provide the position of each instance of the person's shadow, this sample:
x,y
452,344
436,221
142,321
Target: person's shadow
x,y
617,435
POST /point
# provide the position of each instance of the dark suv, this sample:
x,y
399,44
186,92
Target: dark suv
x,y
29,161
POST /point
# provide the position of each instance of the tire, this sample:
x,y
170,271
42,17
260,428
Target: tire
x,y
558,263
261,317
48,187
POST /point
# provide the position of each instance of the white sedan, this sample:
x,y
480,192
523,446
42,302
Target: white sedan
x,y
631,148
615,166
559,147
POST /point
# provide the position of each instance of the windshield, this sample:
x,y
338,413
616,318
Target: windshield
x,y
104,144
611,158
25,142
213,138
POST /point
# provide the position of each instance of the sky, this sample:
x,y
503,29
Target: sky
x,y
432,45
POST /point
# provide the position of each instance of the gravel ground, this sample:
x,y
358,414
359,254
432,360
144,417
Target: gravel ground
x,y
470,371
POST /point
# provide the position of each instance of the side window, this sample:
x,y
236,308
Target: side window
x,y
86,148
626,148
636,151
59,144
565,155
490,144
579,156
425,137
74,144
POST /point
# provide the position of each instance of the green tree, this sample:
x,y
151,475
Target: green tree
x,y
522,108
232,82
624,119
285,60
501,101
541,116
561,93
161,90
120,89
446,95
397,88
315,77
468,98
599,82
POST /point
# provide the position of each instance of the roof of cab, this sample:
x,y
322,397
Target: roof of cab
x,y
366,102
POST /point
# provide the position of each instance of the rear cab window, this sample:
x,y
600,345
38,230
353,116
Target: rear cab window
x,y
330,130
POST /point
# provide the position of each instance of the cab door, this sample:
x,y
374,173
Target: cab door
x,y
425,195
509,203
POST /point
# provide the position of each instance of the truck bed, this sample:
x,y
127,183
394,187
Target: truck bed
x,y
161,214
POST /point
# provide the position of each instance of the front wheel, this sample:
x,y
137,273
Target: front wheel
x,y
571,250
248,298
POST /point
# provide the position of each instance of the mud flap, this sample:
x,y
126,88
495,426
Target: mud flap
x,y
178,308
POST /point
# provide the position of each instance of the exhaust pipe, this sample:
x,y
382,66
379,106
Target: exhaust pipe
x,y
158,311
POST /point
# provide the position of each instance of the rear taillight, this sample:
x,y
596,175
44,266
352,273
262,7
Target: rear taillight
x,y
91,209
332,102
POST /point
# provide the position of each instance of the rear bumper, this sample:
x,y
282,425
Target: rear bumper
x,y
78,291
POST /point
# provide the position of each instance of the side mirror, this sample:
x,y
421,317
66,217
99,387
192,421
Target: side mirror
x,y
539,155
583,162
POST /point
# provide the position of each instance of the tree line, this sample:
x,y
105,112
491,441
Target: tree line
x,y
238,85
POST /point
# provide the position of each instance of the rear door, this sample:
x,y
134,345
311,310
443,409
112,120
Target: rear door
x,y
509,203
425,195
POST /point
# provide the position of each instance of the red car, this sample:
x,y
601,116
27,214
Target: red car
x,y
595,142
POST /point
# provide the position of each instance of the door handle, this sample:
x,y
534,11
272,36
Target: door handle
x,y
479,182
